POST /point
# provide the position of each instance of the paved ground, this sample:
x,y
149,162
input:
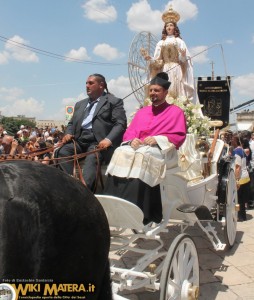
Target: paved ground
x,y
223,274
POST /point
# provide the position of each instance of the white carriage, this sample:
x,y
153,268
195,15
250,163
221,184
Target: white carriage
x,y
186,200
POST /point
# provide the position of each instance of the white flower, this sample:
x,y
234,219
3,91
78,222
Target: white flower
x,y
196,123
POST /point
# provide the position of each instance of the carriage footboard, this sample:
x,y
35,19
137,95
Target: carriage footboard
x,y
203,214
201,211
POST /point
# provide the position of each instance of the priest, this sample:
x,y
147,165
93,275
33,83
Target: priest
x,y
149,147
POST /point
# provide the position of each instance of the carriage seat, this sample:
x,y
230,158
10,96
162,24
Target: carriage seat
x,y
189,160
217,154
192,164
121,213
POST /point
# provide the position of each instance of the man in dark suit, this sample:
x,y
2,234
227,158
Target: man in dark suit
x,y
98,121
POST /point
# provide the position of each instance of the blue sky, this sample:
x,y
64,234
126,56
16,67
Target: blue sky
x,y
38,81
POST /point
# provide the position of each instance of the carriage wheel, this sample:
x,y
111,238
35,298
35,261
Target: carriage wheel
x,y
230,212
180,273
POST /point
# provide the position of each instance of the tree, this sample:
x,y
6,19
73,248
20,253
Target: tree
x,y
12,125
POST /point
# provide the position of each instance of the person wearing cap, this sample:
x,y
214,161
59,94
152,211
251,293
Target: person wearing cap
x,y
98,121
21,128
149,147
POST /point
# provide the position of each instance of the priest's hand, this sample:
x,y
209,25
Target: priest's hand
x,y
136,143
150,141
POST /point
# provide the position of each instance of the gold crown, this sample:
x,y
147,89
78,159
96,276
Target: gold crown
x,y
170,16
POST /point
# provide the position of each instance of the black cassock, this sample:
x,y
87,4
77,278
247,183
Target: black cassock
x,y
147,198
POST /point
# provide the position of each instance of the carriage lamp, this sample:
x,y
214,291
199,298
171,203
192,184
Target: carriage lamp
x,y
203,147
237,207
152,268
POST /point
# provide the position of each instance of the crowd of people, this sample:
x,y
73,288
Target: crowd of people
x,y
29,140
240,146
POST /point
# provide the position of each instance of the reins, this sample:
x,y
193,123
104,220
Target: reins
x,y
56,160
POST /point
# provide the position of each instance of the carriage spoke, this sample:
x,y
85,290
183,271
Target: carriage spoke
x,y
181,269
181,256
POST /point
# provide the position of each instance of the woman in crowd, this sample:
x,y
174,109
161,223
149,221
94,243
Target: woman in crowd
x,y
247,150
242,176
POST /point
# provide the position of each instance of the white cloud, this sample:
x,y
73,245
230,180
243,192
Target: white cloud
x,y
229,42
107,52
69,101
29,107
99,11
4,57
17,50
60,114
81,96
13,104
199,54
244,85
141,17
120,87
252,39
185,8
80,54
10,94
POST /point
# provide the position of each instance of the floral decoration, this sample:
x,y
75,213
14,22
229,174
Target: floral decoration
x,y
197,123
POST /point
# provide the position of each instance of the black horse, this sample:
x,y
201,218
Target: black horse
x,y
52,228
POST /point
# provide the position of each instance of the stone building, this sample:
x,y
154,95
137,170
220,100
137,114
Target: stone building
x,y
245,120
49,123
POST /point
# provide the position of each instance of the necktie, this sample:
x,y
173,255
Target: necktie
x,y
87,112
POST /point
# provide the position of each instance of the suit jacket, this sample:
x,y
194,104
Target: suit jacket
x,y
109,121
